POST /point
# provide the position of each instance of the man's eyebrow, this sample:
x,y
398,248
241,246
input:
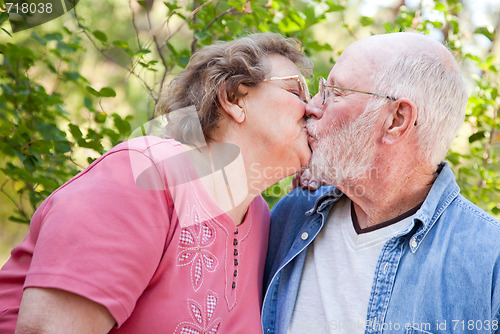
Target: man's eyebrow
x,y
332,83
335,83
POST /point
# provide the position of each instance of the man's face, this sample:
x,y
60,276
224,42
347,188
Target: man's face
x,y
342,130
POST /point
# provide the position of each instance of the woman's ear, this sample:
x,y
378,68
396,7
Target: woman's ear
x,y
235,107
400,120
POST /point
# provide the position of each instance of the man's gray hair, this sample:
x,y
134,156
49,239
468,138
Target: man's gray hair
x,y
438,90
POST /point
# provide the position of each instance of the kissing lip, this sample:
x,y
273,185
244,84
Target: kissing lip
x,y
310,136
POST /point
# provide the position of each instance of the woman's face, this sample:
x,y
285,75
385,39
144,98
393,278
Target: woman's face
x,y
275,118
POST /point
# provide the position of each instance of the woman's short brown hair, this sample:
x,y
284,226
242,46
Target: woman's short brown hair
x,y
221,66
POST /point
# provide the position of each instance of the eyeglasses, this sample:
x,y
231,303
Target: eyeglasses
x,y
324,93
303,91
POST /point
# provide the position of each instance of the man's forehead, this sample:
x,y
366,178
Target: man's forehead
x,y
350,67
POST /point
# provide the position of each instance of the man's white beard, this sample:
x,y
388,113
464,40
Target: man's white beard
x,y
346,153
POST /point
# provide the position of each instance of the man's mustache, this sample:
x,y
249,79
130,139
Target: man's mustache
x,y
311,129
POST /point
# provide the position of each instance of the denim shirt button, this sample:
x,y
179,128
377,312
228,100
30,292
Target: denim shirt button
x,y
413,243
386,267
304,236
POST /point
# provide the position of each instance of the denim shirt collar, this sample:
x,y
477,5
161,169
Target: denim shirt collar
x,y
331,194
443,191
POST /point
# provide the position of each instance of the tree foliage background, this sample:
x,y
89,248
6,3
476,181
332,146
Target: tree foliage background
x,y
74,87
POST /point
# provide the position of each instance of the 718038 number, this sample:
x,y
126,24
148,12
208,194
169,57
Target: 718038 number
x,y
29,8
472,325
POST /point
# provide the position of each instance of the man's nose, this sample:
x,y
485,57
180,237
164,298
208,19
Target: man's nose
x,y
314,107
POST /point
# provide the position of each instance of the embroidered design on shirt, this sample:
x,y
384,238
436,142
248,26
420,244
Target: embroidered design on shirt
x,y
201,316
194,241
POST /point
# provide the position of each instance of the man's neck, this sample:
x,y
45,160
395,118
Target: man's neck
x,y
389,194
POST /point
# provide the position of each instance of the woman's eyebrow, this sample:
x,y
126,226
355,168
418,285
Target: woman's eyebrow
x,y
291,84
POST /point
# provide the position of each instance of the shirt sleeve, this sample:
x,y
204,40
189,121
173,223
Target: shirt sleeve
x,y
101,235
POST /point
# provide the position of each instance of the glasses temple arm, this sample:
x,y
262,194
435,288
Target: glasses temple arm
x,y
362,92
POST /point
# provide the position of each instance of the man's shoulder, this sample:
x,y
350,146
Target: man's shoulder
x,y
467,211
445,202
469,228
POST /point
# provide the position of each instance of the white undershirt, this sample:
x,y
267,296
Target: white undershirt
x,y
338,275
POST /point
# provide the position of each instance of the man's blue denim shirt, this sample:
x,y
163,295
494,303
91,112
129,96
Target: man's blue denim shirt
x,y
440,275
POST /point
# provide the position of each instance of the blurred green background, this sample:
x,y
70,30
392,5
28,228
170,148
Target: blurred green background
x,y
73,87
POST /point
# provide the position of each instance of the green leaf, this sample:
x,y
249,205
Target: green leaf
x,y
456,28
477,136
143,4
486,31
100,117
121,44
107,92
235,27
473,57
92,144
4,16
453,157
39,39
62,147
236,4
142,52
288,25
65,48
122,125
389,27
440,7
201,35
314,45
100,36
75,131
171,6
19,220
54,37
29,162
366,21
334,7
93,91
496,210
436,24
172,49
72,75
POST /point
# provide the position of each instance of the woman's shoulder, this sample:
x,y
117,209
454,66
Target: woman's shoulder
x,y
149,150
149,144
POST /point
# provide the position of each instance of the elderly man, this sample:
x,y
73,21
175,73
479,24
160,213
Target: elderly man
x,y
393,247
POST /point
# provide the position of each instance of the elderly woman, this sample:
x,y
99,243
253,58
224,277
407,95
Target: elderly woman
x,y
169,235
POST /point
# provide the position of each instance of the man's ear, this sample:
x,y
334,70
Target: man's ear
x,y
401,119
235,107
